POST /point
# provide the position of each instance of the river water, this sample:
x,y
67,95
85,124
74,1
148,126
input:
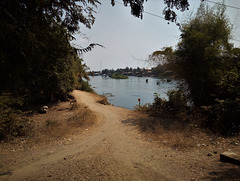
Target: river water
x,y
126,92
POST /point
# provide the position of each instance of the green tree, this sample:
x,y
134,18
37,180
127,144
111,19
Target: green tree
x,y
137,8
161,57
228,85
210,66
35,51
203,50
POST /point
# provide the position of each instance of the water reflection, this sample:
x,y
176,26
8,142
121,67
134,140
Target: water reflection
x,y
126,92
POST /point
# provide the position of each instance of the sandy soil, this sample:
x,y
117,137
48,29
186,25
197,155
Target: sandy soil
x,y
114,148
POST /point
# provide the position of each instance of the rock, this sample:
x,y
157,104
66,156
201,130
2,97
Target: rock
x,y
215,152
73,101
230,157
234,143
44,109
6,173
49,153
210,154
74,178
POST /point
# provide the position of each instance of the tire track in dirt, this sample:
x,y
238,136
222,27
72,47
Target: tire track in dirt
x,y
109,151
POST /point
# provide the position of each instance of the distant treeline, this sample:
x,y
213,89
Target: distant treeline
x,y
159,71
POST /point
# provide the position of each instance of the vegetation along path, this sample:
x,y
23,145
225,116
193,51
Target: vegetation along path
x,y
113,149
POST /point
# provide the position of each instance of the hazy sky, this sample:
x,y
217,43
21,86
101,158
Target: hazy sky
x,y
129,40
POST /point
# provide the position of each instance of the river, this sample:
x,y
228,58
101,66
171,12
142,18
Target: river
x,y
126,92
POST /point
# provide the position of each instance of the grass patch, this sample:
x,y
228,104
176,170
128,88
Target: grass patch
x,y
170,121
166,130
61,120
104,98
72,119
13,122
82,117
143,108
51,123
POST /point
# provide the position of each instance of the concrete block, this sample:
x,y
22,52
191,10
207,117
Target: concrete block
x,y
230,157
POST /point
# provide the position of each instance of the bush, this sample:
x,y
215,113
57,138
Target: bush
x,y
177,102
223,117
13,123
143,108
104,101
84,86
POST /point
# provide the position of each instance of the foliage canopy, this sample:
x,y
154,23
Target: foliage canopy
x,y
203,50
37,58
137,8
209,64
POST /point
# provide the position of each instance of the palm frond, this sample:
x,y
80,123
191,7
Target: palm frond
x,y
88,48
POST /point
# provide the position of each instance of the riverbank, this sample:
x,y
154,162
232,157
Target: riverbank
x,y
115,146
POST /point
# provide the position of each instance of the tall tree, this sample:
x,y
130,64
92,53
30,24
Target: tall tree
x,y
210,66
35,39
202,52
35,51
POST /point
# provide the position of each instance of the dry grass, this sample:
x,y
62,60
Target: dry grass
x,y
82,117
62,121
59,125
168,131
103,100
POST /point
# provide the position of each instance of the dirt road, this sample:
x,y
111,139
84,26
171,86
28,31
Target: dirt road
x,y
110,150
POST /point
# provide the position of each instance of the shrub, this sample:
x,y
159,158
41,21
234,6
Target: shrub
x,y
177,102
13,123
50,123
143,108
103,100
223,117
84,86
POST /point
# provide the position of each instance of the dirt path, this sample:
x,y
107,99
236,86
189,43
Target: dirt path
x,y
111,150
